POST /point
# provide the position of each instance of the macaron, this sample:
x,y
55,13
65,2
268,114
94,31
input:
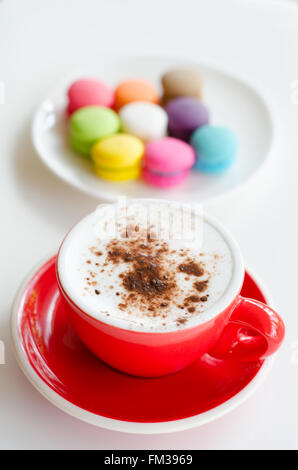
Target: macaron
x,y
185,115
147,121
215,148
135,90
167,162
89,92
181,82
118,157
89,124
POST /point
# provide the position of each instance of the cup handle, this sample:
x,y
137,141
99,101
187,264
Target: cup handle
x,y
254,331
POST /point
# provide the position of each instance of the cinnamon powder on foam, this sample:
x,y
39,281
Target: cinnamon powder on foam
x,y
150,278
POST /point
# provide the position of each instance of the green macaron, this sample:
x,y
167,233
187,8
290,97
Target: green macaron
x,y
91,123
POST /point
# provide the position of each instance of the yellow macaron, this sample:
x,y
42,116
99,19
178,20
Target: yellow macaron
x,y
118,157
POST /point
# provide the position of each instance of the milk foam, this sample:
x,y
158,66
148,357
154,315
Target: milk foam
x,y
95,280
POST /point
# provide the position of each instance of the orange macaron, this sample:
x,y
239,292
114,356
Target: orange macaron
x,y
132,90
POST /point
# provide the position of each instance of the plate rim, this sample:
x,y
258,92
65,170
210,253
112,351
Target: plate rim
x,y
248,83
120,425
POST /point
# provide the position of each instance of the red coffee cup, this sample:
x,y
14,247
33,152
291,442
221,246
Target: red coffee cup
x,y
235,328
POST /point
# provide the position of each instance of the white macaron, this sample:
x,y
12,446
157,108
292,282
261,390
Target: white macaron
x,y
147,121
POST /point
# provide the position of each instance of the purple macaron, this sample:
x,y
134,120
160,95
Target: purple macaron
x,y
185,115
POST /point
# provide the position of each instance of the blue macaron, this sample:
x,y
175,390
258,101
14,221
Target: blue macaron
x,y
215,148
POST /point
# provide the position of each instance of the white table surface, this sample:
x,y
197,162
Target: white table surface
x,y
39,43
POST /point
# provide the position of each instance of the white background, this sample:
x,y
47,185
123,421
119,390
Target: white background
x,y
40,41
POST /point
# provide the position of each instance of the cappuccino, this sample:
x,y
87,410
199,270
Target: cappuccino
x,y
146,266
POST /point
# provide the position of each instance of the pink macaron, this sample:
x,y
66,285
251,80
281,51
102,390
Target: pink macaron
x,y
89,92
167,162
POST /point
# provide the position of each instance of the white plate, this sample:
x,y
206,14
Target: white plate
x,y
231,101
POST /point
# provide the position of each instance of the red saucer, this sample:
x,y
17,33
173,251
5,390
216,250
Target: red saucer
x,y
45,341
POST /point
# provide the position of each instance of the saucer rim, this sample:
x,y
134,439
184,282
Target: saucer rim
x,y
120,425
